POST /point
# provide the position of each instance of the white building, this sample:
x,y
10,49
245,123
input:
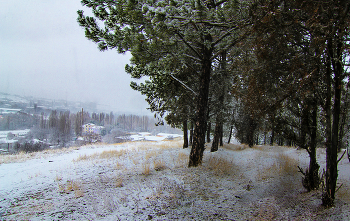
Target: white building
x,y
92,129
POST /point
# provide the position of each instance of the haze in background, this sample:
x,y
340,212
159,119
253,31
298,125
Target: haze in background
x,y
44,53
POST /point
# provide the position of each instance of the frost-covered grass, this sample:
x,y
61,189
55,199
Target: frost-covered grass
x,y
151,180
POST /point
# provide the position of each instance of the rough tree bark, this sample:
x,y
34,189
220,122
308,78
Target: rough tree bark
x,y
191,133
197,150
221,135
185,134
208,132
216,139
332,130
229,137
311,179
250,136
314,179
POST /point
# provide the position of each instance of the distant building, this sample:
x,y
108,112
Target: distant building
x,y
92,129
92,133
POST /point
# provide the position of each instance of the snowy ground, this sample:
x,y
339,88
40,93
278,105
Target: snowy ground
x,y
150,180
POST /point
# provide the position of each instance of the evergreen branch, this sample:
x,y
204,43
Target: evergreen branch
x,y
220,2
224,36
187,44
185,63
233,43
221,24
194,58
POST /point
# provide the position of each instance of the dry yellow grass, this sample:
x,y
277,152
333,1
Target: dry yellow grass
x,y
283,165
79,193
119,182
119,166
137,146
112,154
159,165
220,166
344,192
58,178
259,147
71,186
287,164
151,154
235,147
146,169
17,158
22,156
181,160
135,160
107,154
83,157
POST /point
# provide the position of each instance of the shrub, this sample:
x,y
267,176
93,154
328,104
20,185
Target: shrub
x,y
29,147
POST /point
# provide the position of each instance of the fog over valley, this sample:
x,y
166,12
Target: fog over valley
x,y
44,54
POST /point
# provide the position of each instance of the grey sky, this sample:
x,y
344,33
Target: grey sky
x,y
44,53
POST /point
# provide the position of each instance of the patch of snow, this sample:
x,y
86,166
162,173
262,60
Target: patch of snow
x,y
147,136
234,183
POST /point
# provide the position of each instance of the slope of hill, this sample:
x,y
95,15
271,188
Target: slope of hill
x,y
151,180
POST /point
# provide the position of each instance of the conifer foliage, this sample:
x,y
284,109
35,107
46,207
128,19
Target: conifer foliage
x,y
167,37
283,62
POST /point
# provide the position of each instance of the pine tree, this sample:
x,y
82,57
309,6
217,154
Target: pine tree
x,y
305,40
191,32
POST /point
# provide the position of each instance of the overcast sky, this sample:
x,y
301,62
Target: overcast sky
x,y
44,53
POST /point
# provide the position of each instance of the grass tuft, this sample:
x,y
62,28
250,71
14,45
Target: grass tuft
x,y
282,165
119,182
182,160
235,147
220,166
146,169
287,164
107,154
159,165
71,186
150,154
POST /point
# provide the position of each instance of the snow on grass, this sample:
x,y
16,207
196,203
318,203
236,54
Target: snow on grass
x,y
147,136
151,180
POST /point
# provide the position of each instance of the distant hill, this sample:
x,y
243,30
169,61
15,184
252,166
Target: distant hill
x,y
31,104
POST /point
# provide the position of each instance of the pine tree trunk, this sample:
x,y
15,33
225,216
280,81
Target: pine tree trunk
x,y
221,134
312,179
191,133
229,138
272,132
208,132
215,144
185,134
326,197
252,126
197,150
332,141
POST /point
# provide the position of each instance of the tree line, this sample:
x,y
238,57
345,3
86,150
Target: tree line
x,y
61,128
276,68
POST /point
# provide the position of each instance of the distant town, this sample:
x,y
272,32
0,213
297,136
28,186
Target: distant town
x,y
29,124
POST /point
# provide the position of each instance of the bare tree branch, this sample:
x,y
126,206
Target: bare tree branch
x,y
183,84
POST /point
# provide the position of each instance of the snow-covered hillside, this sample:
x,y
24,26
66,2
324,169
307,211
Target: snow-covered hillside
x,y
150,180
